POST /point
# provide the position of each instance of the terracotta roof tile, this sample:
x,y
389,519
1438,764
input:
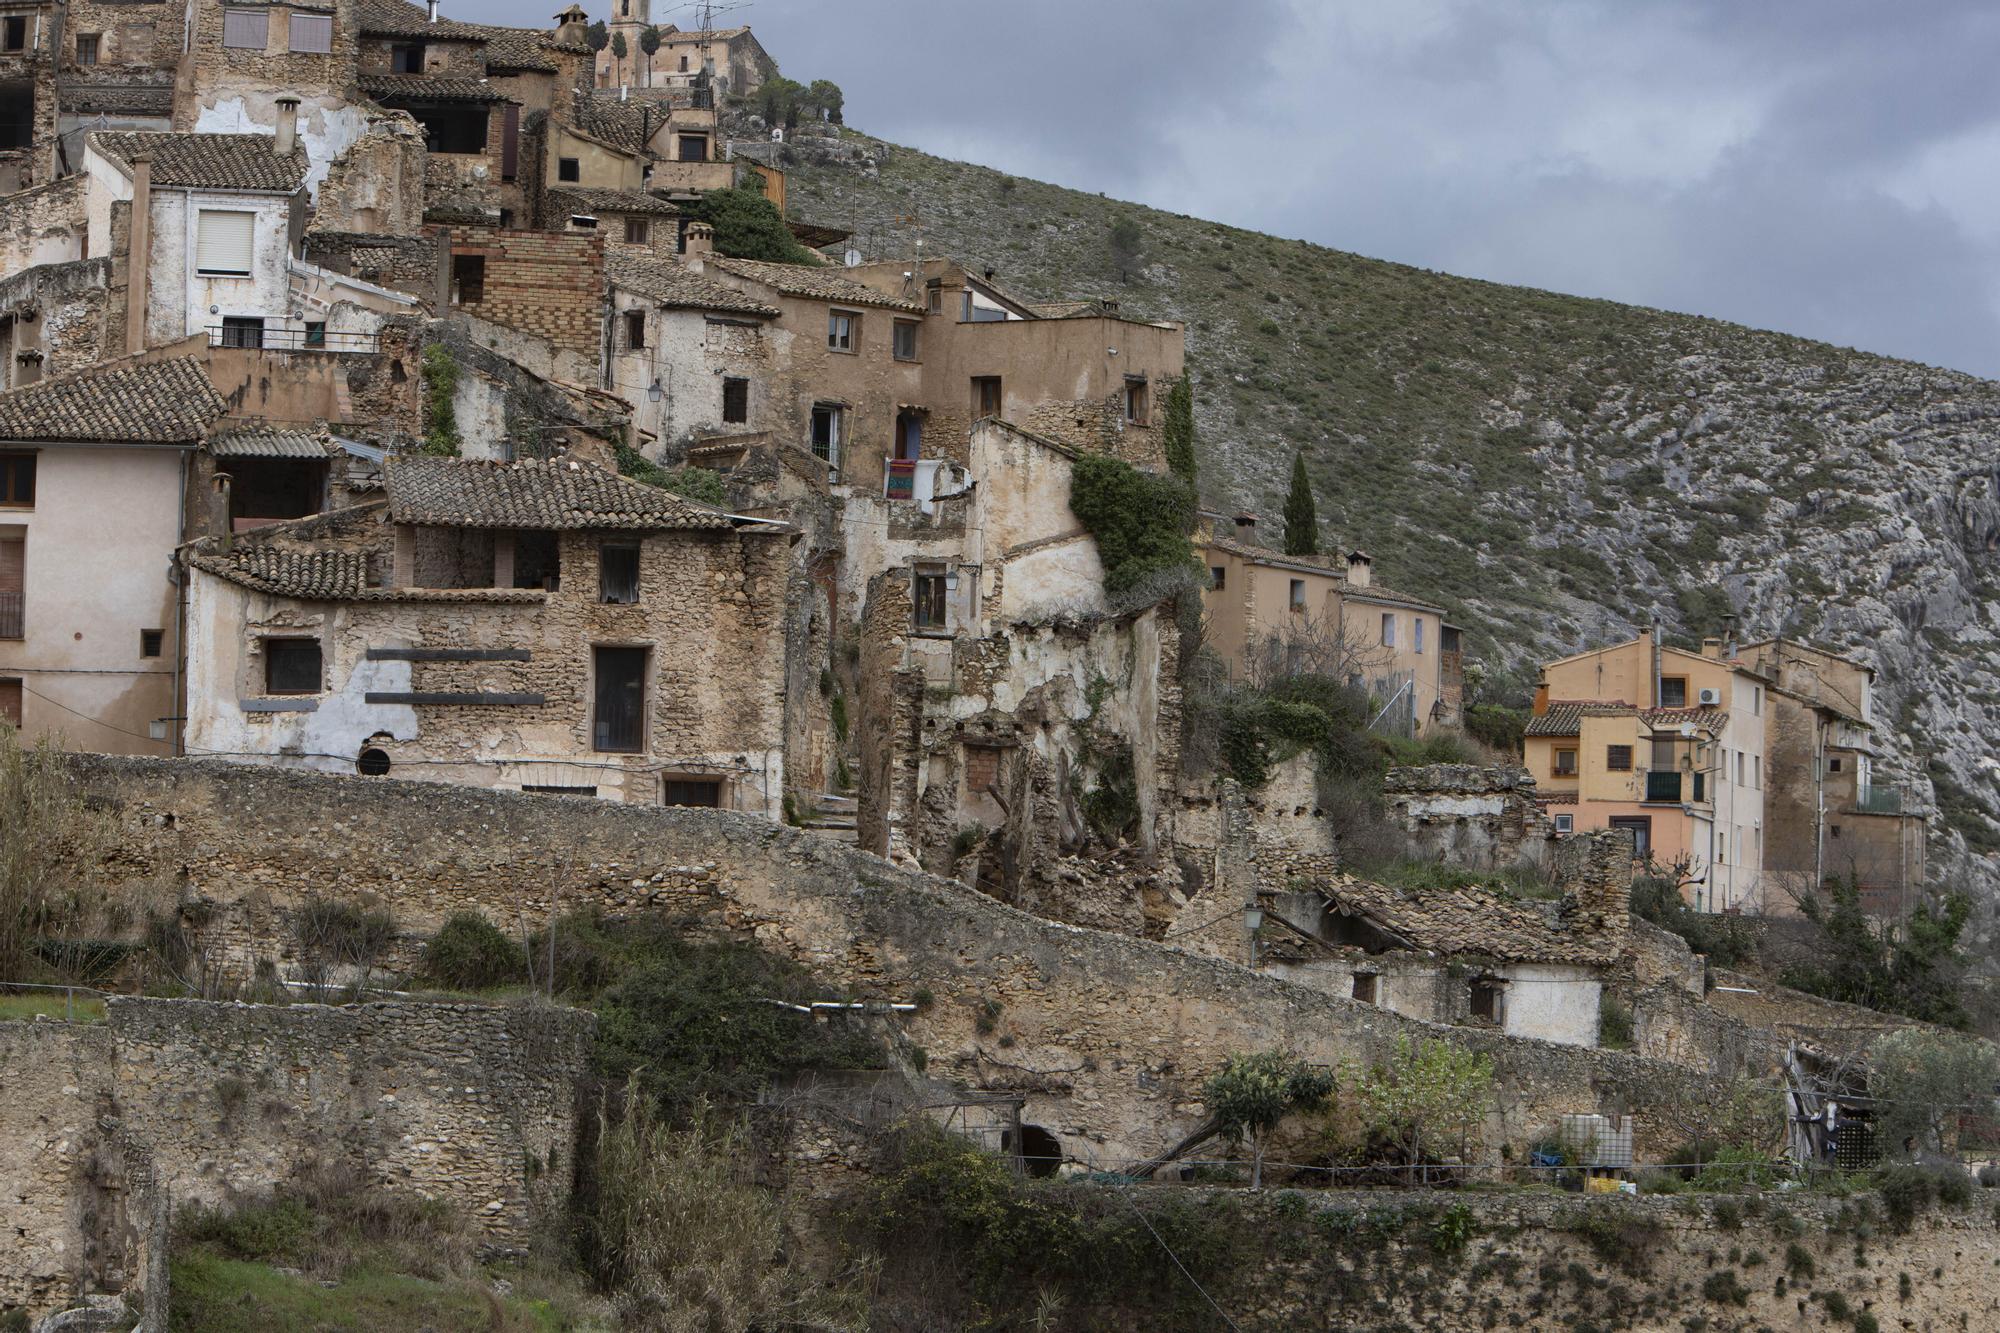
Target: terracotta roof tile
x,y
674,285
207,161
395,18
155,402
623,125
267,442
583,199
562,493
1476,921
390,88
811,281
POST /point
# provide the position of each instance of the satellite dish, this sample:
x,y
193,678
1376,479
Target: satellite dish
x,y
852,257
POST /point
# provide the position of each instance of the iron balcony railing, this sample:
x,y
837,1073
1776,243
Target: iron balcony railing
x,y
12,616
292,340
1878,800
1664,785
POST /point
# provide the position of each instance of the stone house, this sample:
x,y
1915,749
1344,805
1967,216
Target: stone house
x,y
30,48
667,145
1666,745
729,61
1271,613
412,60
1827,813
245,66
544,626
95,474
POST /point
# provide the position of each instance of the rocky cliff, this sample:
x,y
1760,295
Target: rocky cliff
x,y
1553,470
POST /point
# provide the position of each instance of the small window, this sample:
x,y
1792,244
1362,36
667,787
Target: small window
x,y
152,642
315,333
224,242
1218,575
684,64
936,301
407,58
14,32
694,148
468,279
1364,987
1135,402
1565,823
246,29
1417,635
1485,999
582,222
635,330
548,789
1618,758
1722,848
1389,629
842,329
238,331
10,702
568,169
17,484
312,34
291,666
1565,765
86,48
372,763
1673,691
618,573
703,792
1298,595
906,340
618,715
985,396
1756,770
1833,765
928,590
982,768
1834,829
829,429
637,231
735,400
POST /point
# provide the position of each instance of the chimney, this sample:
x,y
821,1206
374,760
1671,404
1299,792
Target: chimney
x,y
218,513
700,241
1246,526
139,252
1651,641
572,26
434,10
1711,648
287,141
1360,568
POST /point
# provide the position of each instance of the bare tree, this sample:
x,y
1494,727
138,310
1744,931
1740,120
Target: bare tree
x,y
1315,644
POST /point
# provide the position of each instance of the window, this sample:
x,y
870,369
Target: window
x,y
1739,768
1618,758
407,58
1673,691
548,789
694,148
905,340
537,560
635,330
618,573
843,330
1218,575
618,717
1757,700
985,396
1756,770
1364,987
582,222
703,792
927,591
315,333
1417,635
86,48
1565,823
1297,595
735,400
246,29
1485,999
14,32
1565,765
1135,401
468,279
291,666
1388,629
1722,847
152,642
637,231
936,301
241,331
13,588
453,128
1833,765
1641,829
10,702
224,242
684,64
1834,829
17,487
312,34
568,169
829,429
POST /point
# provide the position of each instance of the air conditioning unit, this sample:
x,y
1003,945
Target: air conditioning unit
x,y
1709,698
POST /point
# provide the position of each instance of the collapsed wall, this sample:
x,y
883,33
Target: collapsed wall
x,y
1105,1037
1482,817
106,1128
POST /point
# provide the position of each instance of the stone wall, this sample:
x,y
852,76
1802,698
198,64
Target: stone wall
x,y
1107,1037
169,1103
58,315
44,225
546,283
1476,816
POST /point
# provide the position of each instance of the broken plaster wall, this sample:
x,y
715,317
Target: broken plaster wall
x,y
60,315
45,225
1481,817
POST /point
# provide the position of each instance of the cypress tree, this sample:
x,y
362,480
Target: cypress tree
x,y
1177,433
1301,519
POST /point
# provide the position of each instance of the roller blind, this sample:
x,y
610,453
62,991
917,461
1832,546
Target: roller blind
x,y
246,28
312,32
224,241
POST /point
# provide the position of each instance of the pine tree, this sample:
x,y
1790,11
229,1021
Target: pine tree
x,y
1177,433
1301,519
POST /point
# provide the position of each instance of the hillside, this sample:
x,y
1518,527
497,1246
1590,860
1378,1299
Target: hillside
x,y
1552,469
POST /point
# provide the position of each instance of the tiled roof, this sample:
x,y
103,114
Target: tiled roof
x,y
1707,718
207,161
811,281
519,48
156,402
1561,719
1564,717
386,88
674,285
267,442
562,493
394,18
578,198
1066,309
118,99
623,125
1376,592
314,575
1475,921
672,34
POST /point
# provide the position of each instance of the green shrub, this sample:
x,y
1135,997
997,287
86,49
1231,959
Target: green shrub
x,y
471,953
1140,522
440,414
749,226
1724,1288
1867,1323
274,1232
1614,1023
1799,1264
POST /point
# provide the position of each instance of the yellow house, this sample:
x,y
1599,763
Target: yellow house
x,y
1269,613
1667,745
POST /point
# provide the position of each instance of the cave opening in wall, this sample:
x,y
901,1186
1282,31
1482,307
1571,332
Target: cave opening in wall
x,y
1040,1152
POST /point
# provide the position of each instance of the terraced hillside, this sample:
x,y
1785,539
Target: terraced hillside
x,y
1552,469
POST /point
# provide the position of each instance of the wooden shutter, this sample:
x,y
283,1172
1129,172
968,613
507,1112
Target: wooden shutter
x,y
13,564
224,242
10,702
249,29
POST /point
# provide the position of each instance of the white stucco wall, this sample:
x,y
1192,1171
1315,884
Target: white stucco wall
x,y
688,353
326,128
178,298
1552,1002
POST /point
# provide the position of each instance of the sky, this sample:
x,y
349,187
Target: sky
x,y
1830,168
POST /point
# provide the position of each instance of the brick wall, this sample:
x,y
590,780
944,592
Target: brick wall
x,y
546,283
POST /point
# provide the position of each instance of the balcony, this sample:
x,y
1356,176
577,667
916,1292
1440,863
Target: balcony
x,y
1878,799
12,616
1664,787
292,340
